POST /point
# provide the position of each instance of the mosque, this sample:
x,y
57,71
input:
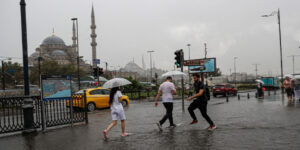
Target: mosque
x,y
54,48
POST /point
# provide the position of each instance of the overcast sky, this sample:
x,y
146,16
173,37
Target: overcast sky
x,y
126,29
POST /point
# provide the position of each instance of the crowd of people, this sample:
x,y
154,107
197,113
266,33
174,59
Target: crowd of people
x,y
167,89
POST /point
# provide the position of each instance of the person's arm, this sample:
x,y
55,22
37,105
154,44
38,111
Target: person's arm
x,y
174,91
157,97
200,93
120,97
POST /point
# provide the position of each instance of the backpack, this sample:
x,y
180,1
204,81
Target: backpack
x,y
206,92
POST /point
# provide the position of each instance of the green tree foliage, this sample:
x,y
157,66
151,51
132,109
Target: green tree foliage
x,y
13,74
134,86
53,68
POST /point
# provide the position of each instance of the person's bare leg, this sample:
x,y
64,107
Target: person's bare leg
x,y
105,132
123,128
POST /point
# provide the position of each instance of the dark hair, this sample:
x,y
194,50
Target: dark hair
x,y
169,78
113,91
196,75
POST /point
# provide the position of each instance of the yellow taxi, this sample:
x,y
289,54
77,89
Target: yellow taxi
x,y
95,98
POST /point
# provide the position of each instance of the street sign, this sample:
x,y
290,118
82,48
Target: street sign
x,y
201,65
194,62
96,61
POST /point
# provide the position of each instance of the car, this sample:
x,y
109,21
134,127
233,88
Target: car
x,y
96,98
224,89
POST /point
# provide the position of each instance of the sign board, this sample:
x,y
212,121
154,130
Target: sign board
x,y
55,87
201,65
96,61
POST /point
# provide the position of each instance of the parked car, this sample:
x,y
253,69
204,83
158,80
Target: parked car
x,y
96,98
224,89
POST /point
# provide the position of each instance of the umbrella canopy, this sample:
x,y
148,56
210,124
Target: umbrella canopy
x,y
260,81
174,74
297,77
289,75
116,82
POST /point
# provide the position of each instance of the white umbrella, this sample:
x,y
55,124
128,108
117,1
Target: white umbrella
x,y
289,75
116,82
174,74
260,81
297,77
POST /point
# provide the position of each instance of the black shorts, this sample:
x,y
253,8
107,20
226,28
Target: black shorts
x,y
289,91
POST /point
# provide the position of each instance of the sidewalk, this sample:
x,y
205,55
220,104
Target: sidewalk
x,y
245,124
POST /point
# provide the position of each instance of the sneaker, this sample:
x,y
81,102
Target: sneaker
x,y
172,126
194,122
159,126
210,128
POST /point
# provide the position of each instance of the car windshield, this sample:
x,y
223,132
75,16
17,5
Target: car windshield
x,y
218,86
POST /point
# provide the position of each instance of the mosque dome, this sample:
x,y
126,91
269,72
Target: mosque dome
x,y
35,55
58,53
53,40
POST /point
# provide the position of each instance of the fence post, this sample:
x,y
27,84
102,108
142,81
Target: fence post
x,y
268,92
248,95
227,99
85,108
239,97
274,91
71,110
43,114
139,94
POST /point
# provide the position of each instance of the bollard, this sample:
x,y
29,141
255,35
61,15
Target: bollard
x,y
269,92
227,100
274,91
239,97
28,116
248,95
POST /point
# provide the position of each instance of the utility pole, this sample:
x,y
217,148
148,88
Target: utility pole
x,y
280,44
293,59
150,52
235,70
3,75
190,84
182,81
256,70
205,53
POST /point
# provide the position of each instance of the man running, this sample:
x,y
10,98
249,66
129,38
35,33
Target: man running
x,y
199,101
168,90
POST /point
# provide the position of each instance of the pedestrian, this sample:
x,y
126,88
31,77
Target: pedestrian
x,y
167,89
260,92
117,111
288,87
200,102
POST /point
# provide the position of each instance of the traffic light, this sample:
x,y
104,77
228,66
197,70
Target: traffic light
x,y
95,72
100,71
178,58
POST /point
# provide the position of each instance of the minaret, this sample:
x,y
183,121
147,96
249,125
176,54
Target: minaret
x,y
93,36
74,36
143,62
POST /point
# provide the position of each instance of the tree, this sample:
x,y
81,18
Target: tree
x,y
13,74
134,86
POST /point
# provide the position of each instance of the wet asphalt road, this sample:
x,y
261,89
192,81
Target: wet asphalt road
x,y
271,123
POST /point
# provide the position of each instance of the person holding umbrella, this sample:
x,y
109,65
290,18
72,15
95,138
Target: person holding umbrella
x,y
115,101
168,90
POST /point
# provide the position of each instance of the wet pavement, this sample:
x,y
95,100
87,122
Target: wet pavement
x,y
271,123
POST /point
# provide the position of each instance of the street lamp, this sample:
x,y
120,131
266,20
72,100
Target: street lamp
x,y
77,47
150,52
293,58
190,85
256,70
235,70
279,27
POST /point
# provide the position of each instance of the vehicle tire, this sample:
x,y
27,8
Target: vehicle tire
x,y
124,103
214,95
91,107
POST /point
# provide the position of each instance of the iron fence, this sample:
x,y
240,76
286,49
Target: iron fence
x,y
11,113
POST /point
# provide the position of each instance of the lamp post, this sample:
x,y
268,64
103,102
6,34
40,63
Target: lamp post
x,y
293,59
235,70
77,47
280,45
150,52
256,70
190,85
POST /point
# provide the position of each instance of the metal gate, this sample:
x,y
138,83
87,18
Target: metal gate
x,y
47,113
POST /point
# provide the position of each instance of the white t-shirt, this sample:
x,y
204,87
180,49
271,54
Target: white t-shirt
x,y
167,88
116,105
